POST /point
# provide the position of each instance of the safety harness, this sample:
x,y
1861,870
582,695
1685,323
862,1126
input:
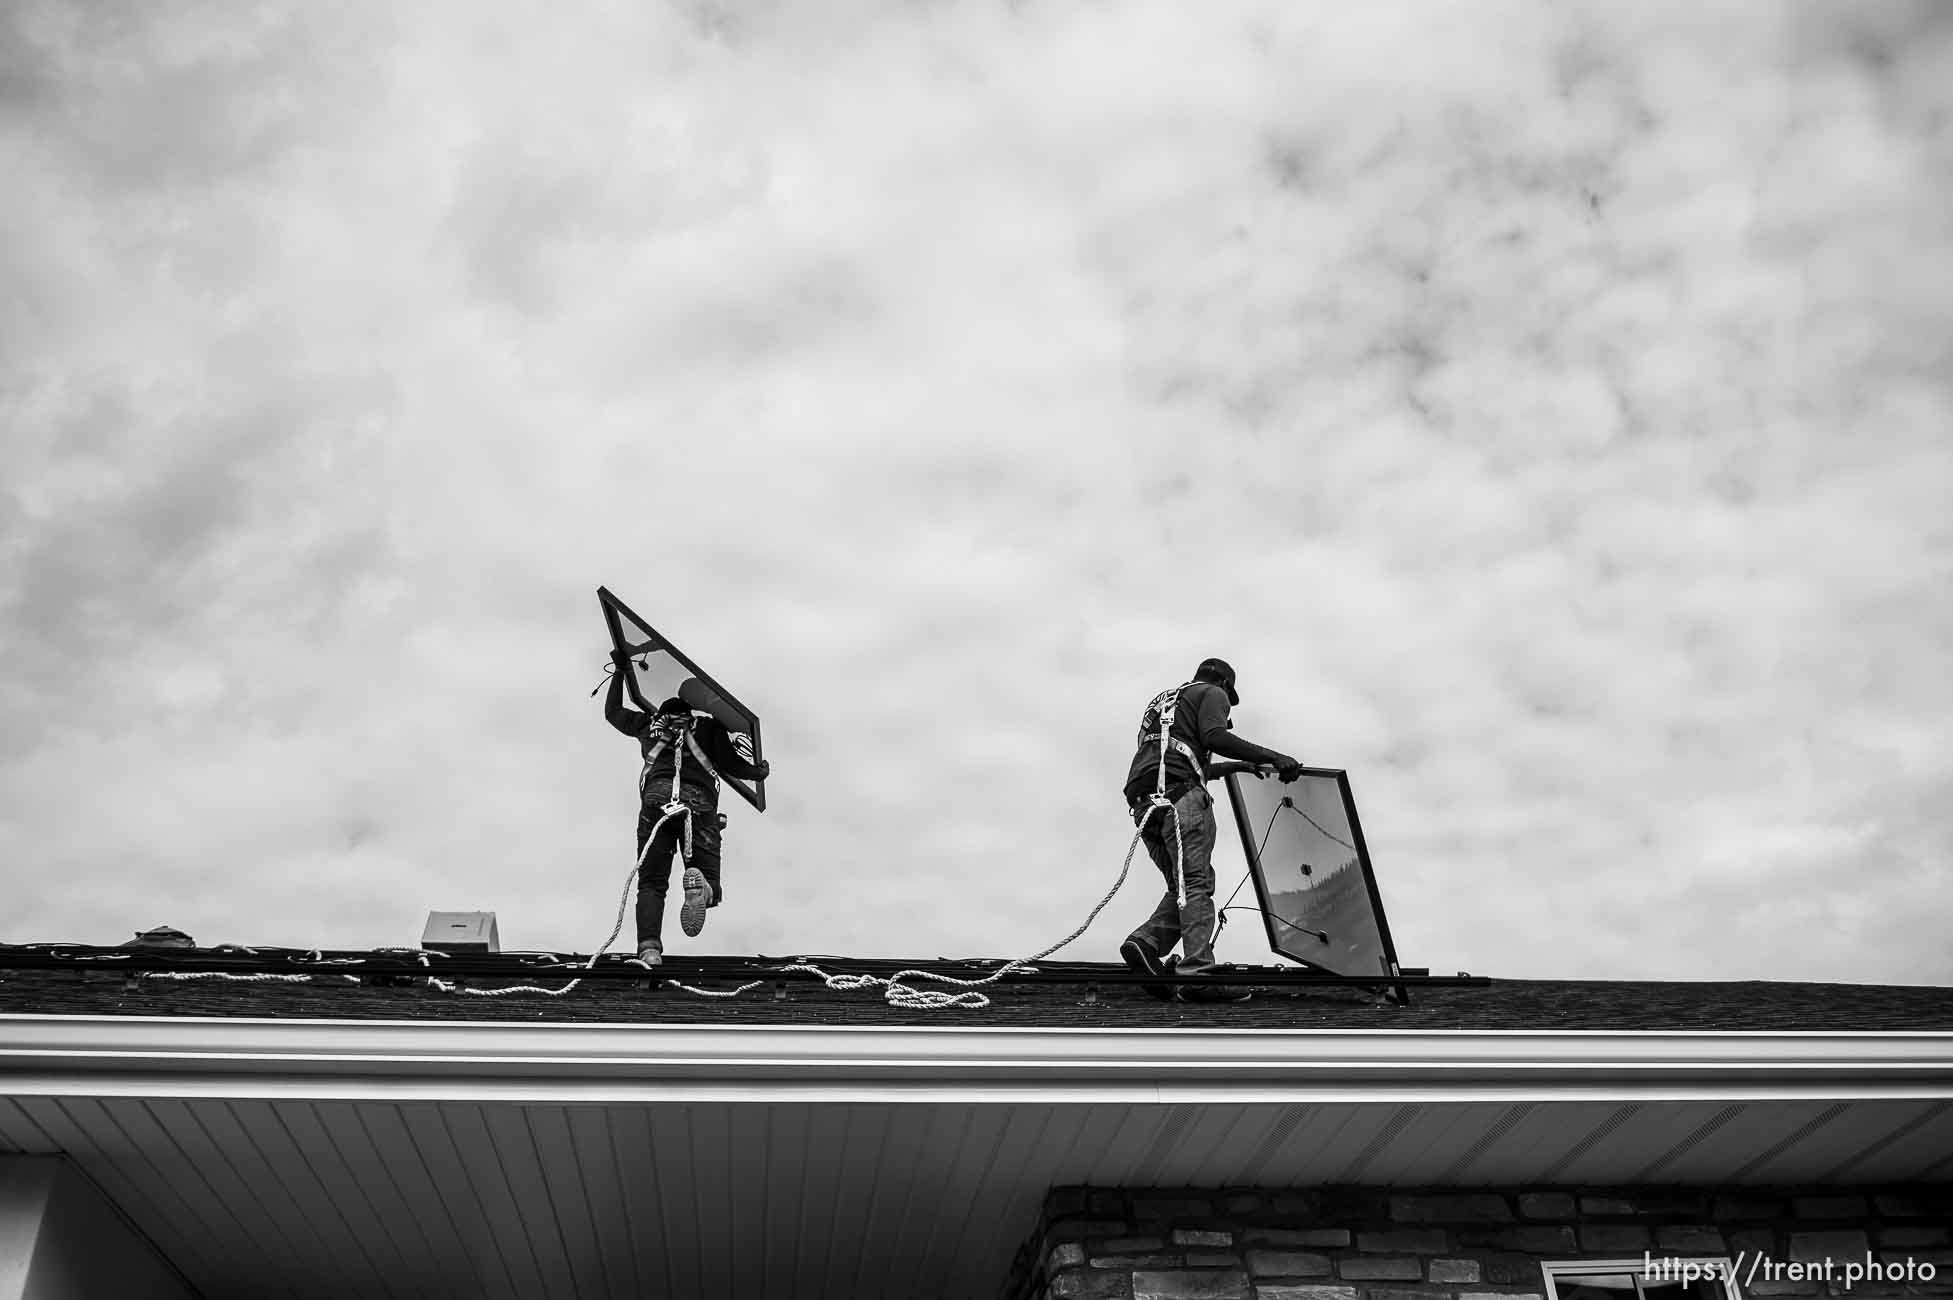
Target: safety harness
x,y
674,806
1166,704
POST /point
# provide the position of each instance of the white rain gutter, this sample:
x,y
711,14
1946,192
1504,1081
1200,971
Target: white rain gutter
x,y
356,1059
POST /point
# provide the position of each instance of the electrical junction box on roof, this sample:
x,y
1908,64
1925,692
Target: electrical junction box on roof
x,y
461,932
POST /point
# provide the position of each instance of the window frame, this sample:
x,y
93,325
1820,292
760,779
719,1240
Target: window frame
x,y
1551,1270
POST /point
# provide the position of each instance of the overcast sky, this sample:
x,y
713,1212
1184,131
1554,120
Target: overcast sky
x,y
1547,407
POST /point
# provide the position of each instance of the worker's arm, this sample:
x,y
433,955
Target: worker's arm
x,y
1219,770
1211,721
616,712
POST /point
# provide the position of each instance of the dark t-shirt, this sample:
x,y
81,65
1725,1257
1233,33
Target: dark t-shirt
x,y
1200,721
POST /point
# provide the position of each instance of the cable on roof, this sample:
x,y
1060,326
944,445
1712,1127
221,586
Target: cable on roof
x,y
898,994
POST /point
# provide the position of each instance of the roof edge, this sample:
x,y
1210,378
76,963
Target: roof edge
x,y
113,1055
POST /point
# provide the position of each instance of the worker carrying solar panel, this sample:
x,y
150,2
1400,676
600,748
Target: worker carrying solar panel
x,y
1166,792
678,808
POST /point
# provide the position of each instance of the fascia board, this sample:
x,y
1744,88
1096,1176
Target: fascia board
x,y
157,1056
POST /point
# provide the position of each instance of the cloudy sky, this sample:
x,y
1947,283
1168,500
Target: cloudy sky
x,y
1547,407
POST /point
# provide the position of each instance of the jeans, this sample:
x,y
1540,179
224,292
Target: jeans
x,y
1191,925
654,876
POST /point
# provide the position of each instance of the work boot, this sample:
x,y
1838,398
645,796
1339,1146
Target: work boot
x,y
698,897
651,953
1140,955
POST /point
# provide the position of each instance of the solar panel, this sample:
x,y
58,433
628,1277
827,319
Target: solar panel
x,y
659,670
1305,851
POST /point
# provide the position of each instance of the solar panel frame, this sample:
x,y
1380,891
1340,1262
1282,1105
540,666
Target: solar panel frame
x,y
1282,944
614,612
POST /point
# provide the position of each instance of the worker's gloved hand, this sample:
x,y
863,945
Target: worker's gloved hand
x,y
1264,770
1289,771
765,769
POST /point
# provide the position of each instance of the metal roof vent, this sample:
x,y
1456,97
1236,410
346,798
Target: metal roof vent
x,y
461,932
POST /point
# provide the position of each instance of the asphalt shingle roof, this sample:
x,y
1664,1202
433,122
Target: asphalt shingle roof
x,y
1075,994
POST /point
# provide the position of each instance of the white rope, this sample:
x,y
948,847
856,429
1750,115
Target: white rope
x,y
898,994
894,991
623,903
226,975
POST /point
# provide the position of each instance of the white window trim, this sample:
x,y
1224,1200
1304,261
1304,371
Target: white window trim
x,y
1720,1268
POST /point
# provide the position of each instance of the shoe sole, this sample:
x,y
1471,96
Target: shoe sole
x,y
698,897
1136,955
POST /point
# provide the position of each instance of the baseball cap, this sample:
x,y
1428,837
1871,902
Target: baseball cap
x,y
1221,673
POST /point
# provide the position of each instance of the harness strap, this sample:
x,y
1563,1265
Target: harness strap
x,y
1166,704
675,806
691,743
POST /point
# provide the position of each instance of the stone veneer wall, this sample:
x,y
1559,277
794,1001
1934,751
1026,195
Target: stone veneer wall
x,y
1353,1243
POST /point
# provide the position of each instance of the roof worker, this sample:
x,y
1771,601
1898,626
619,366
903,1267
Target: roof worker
x,y
678,809
1166,793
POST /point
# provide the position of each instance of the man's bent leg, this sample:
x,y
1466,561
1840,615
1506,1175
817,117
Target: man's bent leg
x,y
1197,828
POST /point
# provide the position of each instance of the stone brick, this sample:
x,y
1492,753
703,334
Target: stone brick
x,y
1191,1284
1406,1293
1546,1205
1605,1205
1914,1207
1912,1237
1609,1237
1511,1270
1300,1291
1454,1270
1301,1205
1917,1261
1380,1268
1691,1205
1499,1295
1690,1240
1828,1207
1733,1208
1113,1245
1401,1241
1170,1207
1461,1207
1538,1238
1085,1284
1779,1286
1351,1204
1235,1207
1154,1259
1297,1236
1073,1229
1287,1263
1068,1255
1845,1244
1754,1242
1201,1237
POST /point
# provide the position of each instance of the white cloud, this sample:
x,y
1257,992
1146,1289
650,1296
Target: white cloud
x,y
1542,406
